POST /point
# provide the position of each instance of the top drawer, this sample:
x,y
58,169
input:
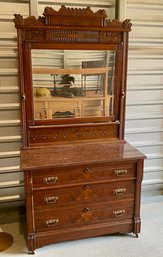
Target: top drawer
x,y
57,177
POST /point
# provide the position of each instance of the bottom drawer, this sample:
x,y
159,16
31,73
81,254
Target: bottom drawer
x,y
83,215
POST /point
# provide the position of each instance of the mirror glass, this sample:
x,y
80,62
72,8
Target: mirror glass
x,y
73,83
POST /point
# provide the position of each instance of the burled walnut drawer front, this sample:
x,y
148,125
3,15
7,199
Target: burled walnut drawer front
x,y
83,173
61,197
83,215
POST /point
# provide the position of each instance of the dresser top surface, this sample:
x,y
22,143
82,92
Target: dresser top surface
x,y
78,153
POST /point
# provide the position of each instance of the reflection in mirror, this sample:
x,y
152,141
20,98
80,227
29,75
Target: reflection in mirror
x,y
73,83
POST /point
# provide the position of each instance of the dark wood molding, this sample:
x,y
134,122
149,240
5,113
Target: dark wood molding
x,y
70,17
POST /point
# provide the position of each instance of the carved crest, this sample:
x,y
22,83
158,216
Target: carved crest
x,y
74,11
67,16
31,20
76,17
126,24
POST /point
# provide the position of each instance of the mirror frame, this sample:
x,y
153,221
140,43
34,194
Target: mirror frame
x,y
71,28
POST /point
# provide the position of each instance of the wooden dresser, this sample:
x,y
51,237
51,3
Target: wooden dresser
x,y
82,190
81,177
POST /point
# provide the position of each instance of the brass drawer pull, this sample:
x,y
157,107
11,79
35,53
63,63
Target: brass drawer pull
x,y
86,170
118,213
51,223
50,180
51,199
120,172
119,191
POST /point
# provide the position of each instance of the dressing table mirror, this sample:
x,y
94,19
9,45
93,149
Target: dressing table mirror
x,y
82,179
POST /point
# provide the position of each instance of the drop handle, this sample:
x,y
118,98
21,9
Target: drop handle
x,y
50,180
51,199
118,213
119,191
52,223
120,172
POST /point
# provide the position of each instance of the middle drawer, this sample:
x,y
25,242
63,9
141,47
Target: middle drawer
x,y
58,197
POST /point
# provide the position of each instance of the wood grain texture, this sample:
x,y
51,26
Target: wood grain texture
x,y
75,153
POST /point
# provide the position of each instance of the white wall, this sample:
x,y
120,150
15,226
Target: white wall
x,y
11,178
144,119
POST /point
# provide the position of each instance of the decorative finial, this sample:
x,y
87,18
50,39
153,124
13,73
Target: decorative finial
x,y
18,19
127,24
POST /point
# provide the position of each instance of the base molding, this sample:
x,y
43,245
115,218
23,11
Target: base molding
x,y
43,238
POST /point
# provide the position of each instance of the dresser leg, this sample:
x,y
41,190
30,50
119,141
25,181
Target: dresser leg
x,y
137,224
31,252
31,243
136,234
